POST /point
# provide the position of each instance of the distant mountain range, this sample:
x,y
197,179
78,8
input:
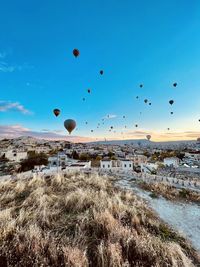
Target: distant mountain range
x,y
136,143
146,143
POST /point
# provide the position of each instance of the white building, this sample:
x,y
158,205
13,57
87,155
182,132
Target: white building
x,y
106,164
172,162
125,165
79,165
149,167
137,159
14,155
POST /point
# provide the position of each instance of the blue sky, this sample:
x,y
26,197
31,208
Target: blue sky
x,y
155,43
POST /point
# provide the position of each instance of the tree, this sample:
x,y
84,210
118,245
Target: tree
x,y
33,160
84,156
98,158
75,155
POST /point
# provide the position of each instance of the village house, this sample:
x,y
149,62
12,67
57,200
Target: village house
x,y
172,162
15,155
125,165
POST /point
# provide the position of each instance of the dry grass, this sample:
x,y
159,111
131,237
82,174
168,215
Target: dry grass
x,y
170,192
83,220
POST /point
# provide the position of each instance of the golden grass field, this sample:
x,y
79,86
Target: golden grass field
x,y
170,192
83,220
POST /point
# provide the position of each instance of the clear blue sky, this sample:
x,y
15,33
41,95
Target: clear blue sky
x,y
151,42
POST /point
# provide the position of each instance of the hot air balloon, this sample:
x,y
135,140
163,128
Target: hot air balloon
x,y
168,129
145,101
141,85
148,137
171,112
56,111
101,72
137,97
174,84
124,117
150,104
171,102
83,98
89,91
136,125
70,125
86,122
111,127
76,52
92,131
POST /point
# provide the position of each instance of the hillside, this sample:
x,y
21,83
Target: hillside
x,y
79,220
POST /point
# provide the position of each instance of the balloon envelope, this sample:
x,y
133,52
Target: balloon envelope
x,y
56,111
148,136
101,72
171,102
70,125
76,52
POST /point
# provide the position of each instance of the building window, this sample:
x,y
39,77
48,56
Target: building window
x,y
124,165
130,165
108,166
103,166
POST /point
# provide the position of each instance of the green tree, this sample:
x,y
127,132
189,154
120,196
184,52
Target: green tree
x,y
33,160
75,155
84,156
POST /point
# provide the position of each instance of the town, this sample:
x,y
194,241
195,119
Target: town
x,y
180,165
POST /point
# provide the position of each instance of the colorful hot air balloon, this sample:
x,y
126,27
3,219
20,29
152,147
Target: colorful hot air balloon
x,y
171,102
101,72
148,137
171,112
56,111
137,97
92,131
76,52
141,85
150,104
70,125
111,127
124,117
145,101
89,91
136,125
168,129
83,98
174,84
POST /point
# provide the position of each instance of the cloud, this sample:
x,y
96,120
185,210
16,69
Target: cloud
x,y
14,131
110,116
6,67
6,106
